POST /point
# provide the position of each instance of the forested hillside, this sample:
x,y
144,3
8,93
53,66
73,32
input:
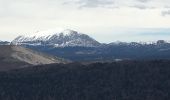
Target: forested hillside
x,y
128,80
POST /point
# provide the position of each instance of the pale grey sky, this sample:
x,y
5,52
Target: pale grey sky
x,y
105,20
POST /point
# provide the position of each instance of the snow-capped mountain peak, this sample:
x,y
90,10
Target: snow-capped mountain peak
x,y
60,37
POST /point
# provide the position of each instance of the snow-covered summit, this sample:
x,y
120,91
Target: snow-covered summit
x,y
58,38
48,33
43,35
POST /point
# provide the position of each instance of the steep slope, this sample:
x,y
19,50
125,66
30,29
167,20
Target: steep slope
x,y
58,39
12,57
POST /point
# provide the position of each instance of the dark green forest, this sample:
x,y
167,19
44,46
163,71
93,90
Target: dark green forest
x,y
125,80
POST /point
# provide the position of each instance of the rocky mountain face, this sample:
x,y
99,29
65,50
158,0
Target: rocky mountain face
x,y
64,38
12,57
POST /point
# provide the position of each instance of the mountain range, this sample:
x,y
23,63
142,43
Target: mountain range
x,y
76,46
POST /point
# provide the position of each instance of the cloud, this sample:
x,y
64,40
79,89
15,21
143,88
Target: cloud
x,y
91,3
140,4
166,13
142,7
95,3
97,17
143,1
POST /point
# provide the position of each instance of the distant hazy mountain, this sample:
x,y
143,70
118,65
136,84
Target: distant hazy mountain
x,y
12,57
4,42
58,39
